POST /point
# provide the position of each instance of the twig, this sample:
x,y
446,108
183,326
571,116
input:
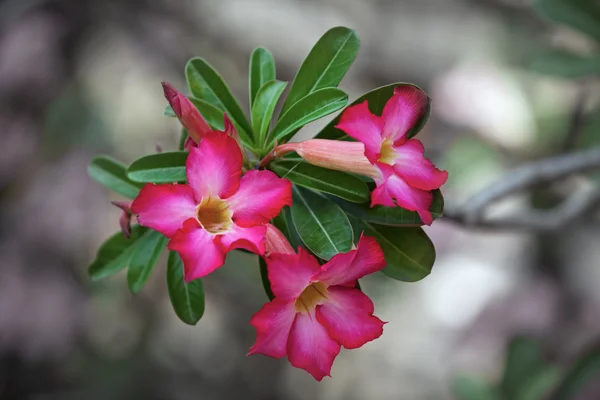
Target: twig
x,y
577,121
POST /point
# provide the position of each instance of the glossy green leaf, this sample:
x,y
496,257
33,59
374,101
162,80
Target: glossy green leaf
x,y
113,174
409,253
471,388
376,99
263,108
144,258
584,372
325,65
583,15
211,114
114,254
262,70
206,84
159,168
321,224
283,222
567,65
336,183
187,299
393,216
264,276
310,108
524,360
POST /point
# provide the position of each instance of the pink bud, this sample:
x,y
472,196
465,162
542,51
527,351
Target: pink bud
x,y
125,218
276,242
187,113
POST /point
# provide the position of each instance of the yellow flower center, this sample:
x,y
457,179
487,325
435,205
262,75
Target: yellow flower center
x,y
311,297
388,154
214,215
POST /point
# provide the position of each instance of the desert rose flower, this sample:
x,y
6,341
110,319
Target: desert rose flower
x,y
317,308
403,176
218,210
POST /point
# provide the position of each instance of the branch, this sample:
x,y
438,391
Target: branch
x,y
528,176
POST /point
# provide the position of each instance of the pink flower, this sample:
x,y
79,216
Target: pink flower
x,y
218,210
403,176
317,308
186,112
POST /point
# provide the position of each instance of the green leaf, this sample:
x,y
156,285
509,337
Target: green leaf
x,y
470,388
211,114
264,276
283,222
112,174
409,253
321,224
564,64
585,371
262,70
583,15
524,359
182,138
263,107
325,65
393,216
336,183
538,386
376,99
114,254
206,84
310,108
144,257
187,298
159,168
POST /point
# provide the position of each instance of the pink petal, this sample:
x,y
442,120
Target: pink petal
x,y
290,274
273,323
251,239
415,169
346,268
393,187
358,122
164,207
276,242
215,166
260,197
309,346
402,112
348,316
198,250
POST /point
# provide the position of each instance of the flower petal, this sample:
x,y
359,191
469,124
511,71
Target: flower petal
x,y
198,250
260,197
359,123
403,111
215,166
273,323
348,316
290,274
251,239
309,346
276,242
346,268
415,169
164,208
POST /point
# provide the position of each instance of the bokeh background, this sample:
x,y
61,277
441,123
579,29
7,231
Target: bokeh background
x,y
82,77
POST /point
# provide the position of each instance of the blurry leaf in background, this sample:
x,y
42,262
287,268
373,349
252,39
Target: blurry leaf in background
x,y
145,255
187,298
321,224
564,64
115,253
584,372
460,158
261,71
210,113
393,216
581,15
206,84
409,253
336,183
376,99
159,168
325,66
263,108
314,106
113,174
471,388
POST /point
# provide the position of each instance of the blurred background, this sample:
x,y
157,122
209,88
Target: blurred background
x,y
82,77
